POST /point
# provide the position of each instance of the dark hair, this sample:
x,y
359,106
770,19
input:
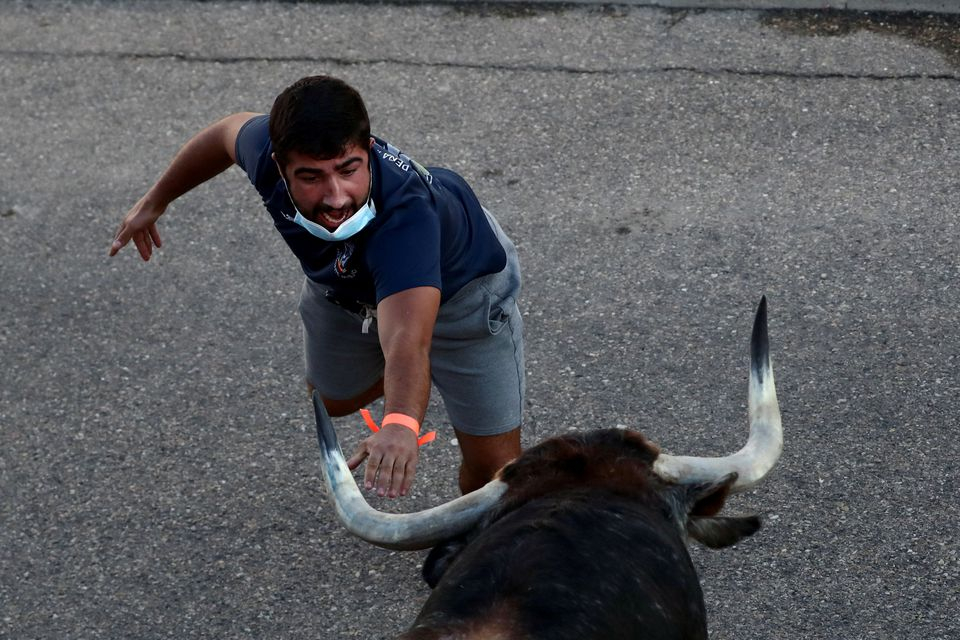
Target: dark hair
x,y
318,116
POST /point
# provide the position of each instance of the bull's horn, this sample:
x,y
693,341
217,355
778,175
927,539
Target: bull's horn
x,y
760,454
407,531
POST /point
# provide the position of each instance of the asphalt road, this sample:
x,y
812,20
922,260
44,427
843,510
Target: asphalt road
x,y
659,170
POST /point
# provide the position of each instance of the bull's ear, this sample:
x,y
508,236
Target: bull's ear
x,y
717,533
440,558
702,502
702,498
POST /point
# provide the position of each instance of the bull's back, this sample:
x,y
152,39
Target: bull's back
x,y
582,564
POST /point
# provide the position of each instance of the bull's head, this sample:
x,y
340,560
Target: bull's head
x,y
705,477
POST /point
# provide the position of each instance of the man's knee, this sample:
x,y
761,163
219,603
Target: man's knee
x,y
483,456
336,407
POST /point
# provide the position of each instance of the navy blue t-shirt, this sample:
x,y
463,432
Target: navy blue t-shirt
x,y
430,229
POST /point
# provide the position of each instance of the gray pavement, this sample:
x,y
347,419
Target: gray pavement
x,y
659,170
934,6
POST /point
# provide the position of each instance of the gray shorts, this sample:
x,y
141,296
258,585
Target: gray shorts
x,y
476,356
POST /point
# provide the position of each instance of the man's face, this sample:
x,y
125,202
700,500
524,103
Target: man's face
x,y
329,191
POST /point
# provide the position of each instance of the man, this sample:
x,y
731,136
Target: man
x,y
408,277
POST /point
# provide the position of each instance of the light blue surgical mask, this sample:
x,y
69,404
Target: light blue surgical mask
x,y
347,229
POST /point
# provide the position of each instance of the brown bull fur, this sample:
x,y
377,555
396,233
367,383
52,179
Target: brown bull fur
x,y
587,543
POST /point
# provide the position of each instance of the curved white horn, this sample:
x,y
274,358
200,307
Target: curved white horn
x,y
406,531
760,454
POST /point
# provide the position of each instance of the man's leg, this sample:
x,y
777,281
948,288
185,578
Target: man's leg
x,y
483,456
477,365
342,361
345,407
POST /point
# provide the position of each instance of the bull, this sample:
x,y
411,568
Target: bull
x,y
581,537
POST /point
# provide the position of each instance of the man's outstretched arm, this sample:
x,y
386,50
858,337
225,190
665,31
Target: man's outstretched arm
x,y
405,325
205,155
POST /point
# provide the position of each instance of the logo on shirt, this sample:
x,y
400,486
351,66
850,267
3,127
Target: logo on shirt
x,y
404,162
340,266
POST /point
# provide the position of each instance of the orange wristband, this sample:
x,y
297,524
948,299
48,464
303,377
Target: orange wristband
x,y
405,420
402,420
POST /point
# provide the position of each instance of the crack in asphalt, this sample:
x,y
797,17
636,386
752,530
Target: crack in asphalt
x,y
519,67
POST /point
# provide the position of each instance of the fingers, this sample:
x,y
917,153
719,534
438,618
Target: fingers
x,y
155,235
394,479
359,456
405,481
143,240
391,465
118,243
121,238
372,473
373,466
142,229
144,246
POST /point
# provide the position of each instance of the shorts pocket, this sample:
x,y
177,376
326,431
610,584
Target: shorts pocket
x,y
498,313
477,314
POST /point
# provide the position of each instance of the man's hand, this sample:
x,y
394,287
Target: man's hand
x,y
140,225
392,463
205,155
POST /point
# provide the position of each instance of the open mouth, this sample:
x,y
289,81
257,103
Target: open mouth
x,y
333,218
